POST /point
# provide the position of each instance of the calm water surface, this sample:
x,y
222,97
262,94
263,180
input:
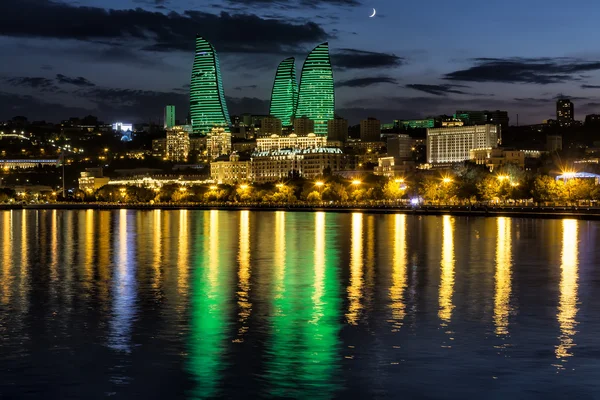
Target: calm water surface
x,y
204,304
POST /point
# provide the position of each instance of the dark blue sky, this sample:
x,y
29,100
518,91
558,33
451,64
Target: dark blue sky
x,y
126,59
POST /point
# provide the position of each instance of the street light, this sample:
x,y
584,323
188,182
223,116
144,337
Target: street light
x,y
280,185
502,178
356,182
446,180
244,187
214,187
319,183
399,180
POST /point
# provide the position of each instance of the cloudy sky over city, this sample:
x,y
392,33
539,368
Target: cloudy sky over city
x,y
126,59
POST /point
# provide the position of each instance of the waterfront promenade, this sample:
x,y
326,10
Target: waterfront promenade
x,y
576,212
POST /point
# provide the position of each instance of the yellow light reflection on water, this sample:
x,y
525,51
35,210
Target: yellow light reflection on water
x,y
447,273
279,252
356,270
567,308
7,257
90,241
503,276
157,247
183,254
244,273
319,267
398,272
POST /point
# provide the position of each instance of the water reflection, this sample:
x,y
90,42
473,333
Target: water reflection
x,y
567,309
398,272
503,276
124,288
183,254
7,256
447,274
209,312
356,270
244,304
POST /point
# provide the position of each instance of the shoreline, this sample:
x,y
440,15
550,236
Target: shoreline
x,y
578,212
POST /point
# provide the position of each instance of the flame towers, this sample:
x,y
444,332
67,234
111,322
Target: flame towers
x,y
284,97
207,100
316,99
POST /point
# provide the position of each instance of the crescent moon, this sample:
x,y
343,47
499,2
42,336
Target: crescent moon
x,y
374,12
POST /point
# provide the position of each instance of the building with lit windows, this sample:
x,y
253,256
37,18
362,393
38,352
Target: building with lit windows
x,y
304,126
337,129
399,146
92,179
178,144
159,147
451,145
293,141
278,165
270,126
207,99
565,112
494,158
218,143
284,96
316,96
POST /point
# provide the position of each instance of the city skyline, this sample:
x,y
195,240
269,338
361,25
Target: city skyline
x,y
131,61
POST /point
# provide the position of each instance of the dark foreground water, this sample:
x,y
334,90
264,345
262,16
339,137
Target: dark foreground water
x,y
202,304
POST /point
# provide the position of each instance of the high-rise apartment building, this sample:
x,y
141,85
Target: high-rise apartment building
x,y
316,97
284,96
218,142
270,126
565,112
178,144
370,130
337,129
450,145
207,99
303,126
169,117
399,146
497,117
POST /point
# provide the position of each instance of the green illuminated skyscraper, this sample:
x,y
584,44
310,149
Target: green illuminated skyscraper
x,y
284,97
316,98
207,100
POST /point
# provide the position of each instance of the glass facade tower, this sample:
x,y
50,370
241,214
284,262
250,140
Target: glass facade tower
x,y
316,98
284,97
207,100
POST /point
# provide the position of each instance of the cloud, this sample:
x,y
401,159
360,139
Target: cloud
x,y
35,109
367,81
360,59
154,30
294,4
590,86
541,71
245,87
438,90
79,81
37,83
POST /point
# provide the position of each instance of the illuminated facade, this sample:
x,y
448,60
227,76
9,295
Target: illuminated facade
x,y
207,99
178,144
293,141
218,143
284,97
451,145
316,97
565,112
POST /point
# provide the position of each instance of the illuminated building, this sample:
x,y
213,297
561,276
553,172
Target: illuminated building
x,y
178,144
370,130
27,163
122,127
207,99
450,145
565,112
414,123
316,97
233,170
497,157
218,143
92,179
270,126
284,97
169,117
304,126
337,129
452,122
293,141
471,117
159,147
273,166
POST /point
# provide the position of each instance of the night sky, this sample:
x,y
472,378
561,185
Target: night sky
x,y
126,59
